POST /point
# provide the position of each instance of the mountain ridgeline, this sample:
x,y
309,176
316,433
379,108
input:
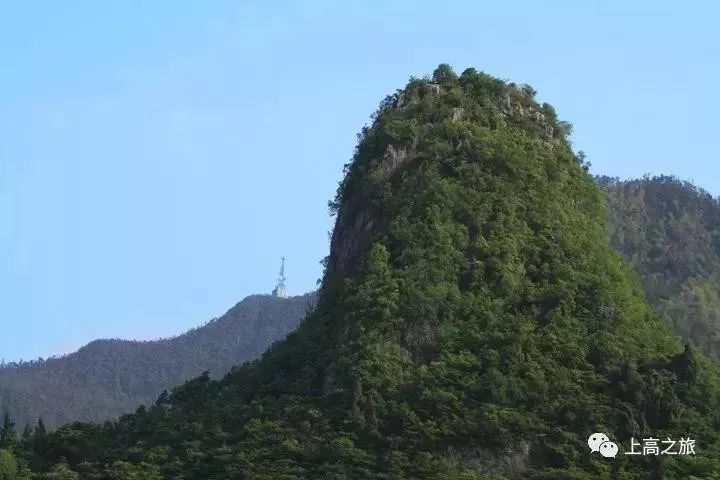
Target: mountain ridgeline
x,y
109,377
473,322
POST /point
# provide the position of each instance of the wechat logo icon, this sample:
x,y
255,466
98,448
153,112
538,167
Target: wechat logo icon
x,y
599,442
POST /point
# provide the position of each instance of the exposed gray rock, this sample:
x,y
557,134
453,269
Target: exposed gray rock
x,y
511,462
394,157
346,241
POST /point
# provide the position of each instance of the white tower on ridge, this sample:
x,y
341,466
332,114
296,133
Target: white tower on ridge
x,y
280,288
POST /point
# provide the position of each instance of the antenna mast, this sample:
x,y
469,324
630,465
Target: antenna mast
x,y
280,288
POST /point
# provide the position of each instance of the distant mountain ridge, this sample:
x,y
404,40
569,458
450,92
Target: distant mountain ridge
x,y
669,231
108,377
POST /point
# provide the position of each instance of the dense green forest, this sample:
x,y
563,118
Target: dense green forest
x,y
473,322
109,377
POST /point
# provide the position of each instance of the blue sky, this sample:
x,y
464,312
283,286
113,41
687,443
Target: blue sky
x,y
157,158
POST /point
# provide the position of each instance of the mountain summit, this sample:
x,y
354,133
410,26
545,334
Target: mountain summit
x,y
473,323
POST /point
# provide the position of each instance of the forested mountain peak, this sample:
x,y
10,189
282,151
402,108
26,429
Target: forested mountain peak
x,y
473,323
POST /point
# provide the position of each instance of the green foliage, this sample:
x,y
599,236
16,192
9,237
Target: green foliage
x,y
472,323
60,472
128,471
8,466
444,75
8,436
